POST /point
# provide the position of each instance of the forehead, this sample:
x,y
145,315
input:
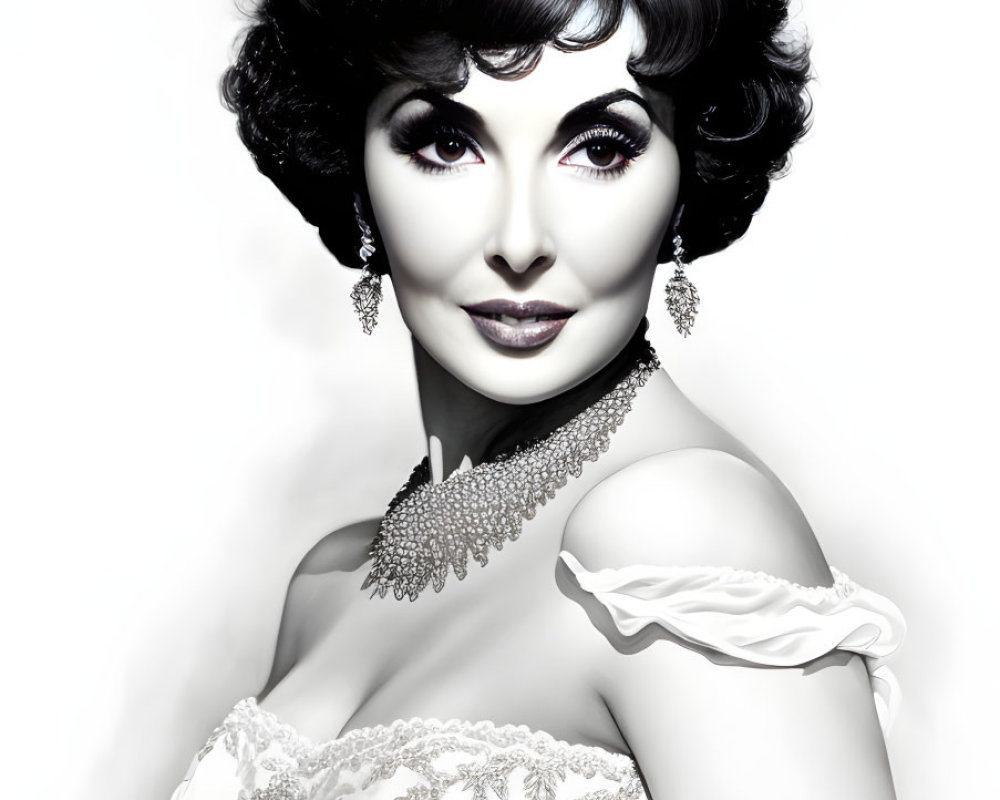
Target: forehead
x,y
561,80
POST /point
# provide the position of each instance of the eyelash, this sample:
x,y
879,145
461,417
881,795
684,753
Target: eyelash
x,y
627,146
416,134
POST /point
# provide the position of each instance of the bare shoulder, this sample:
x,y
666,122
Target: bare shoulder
x,y
695,507
700,725
308,597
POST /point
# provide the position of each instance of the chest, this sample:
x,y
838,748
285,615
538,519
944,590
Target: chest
x,y
507,644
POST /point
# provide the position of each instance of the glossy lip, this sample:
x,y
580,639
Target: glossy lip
x,y
502,321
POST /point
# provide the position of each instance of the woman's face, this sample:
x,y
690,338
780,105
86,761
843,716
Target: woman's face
x,y
522,218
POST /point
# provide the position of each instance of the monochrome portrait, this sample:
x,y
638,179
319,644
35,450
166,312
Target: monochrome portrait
x,y
546,399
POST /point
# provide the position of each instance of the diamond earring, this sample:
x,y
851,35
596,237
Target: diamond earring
x,y
682,297
367,292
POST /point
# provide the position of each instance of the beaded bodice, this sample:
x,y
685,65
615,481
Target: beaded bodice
x,y
254,756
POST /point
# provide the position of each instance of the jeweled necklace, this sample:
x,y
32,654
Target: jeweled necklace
x,y
430,527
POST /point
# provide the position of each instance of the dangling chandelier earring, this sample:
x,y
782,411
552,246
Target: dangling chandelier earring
x,y
367,292
682,297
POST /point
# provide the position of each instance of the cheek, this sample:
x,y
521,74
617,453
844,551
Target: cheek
x,y
429,224
611,230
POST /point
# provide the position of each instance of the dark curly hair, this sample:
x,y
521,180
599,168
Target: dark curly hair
x,y
307,71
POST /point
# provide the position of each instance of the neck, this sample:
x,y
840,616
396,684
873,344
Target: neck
x,y
465,428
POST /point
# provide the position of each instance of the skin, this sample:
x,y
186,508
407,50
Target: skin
x,y
518,642
525,214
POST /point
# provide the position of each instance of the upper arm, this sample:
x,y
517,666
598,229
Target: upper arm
x,y
305,600
701,730
702,726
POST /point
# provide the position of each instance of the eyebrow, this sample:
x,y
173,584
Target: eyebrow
x,y
459,113
464,115
586,110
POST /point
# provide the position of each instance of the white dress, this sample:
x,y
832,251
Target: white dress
x,y
751,616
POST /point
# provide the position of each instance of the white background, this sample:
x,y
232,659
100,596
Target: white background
x,y
188,404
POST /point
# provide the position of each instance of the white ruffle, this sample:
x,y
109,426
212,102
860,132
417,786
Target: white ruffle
x,y
756,617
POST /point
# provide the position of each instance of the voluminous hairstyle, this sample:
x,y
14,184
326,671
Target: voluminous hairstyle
x,y
307,71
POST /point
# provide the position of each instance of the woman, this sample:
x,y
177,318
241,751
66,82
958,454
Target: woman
x,y
661,620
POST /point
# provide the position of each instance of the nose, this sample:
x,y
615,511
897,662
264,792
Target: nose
x,y
519,242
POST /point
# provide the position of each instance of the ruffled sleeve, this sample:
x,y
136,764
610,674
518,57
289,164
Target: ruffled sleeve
x,y
755,617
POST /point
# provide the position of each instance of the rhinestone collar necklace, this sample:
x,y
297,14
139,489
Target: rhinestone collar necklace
x,y
430,527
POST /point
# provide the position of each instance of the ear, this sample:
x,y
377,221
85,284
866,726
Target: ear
x,y
343,234
377,262
666,251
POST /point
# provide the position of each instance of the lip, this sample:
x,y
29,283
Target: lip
x,y
503,322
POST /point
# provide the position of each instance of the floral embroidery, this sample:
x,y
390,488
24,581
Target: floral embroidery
x,y
426,758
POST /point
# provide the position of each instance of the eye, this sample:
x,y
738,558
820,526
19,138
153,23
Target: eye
x,y
603,151
598,154
448,150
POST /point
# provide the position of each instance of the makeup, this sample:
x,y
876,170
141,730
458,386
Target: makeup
x,y
551,194
520,326
596,138
434,142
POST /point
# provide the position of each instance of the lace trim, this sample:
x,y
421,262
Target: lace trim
x,y
275,762
500,735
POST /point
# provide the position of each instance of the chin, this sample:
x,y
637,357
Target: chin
x,y
532,377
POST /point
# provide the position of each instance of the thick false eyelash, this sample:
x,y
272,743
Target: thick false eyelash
x,y
631,146
414,134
